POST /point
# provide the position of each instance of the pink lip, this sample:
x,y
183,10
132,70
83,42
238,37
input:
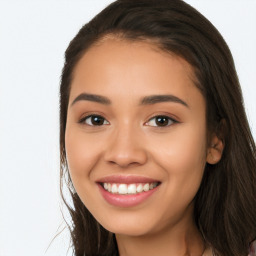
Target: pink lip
x,y
126,179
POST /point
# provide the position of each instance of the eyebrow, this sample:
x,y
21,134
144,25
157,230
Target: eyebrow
x,y
147,100
92,97
153,99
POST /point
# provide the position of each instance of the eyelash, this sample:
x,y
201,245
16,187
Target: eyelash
x,y
170,120
83,120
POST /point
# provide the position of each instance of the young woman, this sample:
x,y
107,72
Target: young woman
x,y
155,145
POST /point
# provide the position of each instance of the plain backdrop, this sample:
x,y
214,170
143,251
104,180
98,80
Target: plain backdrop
x,y
33,38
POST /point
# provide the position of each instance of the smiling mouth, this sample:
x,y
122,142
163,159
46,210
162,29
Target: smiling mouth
x,y
129,189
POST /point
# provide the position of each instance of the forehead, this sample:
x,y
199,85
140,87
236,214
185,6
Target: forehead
x,y
126,49
117,66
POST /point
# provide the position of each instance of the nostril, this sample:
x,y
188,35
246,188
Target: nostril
x,y
124,164
126,159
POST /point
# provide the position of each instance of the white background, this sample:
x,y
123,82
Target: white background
x,y
33,38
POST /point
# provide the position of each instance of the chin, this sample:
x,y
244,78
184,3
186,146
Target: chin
x,y
133,225
135,230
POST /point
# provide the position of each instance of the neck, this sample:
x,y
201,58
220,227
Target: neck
x,y
180,240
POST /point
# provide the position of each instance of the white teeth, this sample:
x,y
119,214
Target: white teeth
x,y
124,189
132,189
146,187
139,188
114,188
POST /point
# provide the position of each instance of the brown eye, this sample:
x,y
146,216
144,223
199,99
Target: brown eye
x,y
161,121
94,120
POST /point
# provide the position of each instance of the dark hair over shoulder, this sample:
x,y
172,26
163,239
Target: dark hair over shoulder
x,y
225,205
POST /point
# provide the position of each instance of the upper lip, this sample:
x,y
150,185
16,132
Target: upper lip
x,y
126,179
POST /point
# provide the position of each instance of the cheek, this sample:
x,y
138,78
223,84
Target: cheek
x,y
185,146
183,158
81,153
189,155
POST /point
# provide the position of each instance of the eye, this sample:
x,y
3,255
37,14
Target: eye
x,y
161,121
94,120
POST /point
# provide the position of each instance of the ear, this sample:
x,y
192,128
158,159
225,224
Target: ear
x,y
215,150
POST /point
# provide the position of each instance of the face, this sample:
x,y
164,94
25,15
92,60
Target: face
x,y
135,137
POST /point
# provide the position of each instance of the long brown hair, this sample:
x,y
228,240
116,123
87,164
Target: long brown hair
x,y
225,205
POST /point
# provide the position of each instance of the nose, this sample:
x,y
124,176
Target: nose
x,y
125,148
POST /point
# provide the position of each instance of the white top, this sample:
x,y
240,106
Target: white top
x,y
252,250
208,252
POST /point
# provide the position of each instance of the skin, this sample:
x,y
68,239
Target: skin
x,y
131,142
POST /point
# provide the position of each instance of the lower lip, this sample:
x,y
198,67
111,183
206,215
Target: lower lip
x,y
126,200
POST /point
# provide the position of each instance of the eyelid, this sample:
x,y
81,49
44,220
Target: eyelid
x,y
83,119
173,120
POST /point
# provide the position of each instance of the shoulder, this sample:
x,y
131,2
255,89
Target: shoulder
x,y
208,251
252,251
